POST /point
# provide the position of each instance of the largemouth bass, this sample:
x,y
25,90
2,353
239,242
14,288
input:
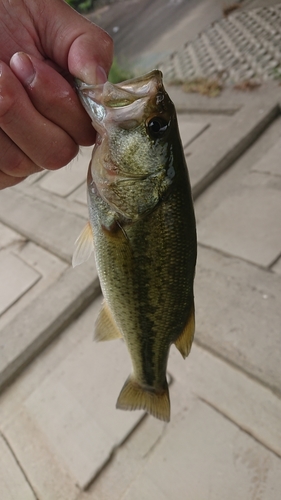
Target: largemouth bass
x,y
142,229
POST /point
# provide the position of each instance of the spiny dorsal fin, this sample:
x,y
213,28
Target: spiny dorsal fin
x,y
184,341
135,397
106,328
84,246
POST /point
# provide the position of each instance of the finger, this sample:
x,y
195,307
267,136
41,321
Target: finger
x,y
74,42
46,144
53,97
14,164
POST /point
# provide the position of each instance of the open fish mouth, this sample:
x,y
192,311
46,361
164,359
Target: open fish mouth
x,y
123,102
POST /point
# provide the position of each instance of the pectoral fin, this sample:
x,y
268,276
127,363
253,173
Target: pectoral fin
x,y
84,246
184,341
106,328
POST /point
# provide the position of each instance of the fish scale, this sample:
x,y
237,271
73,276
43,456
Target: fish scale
x,y
143,227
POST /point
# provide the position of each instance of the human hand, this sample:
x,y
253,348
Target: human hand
x,y
42,123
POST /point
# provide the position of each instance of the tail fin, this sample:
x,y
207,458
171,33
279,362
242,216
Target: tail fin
x,y
135,397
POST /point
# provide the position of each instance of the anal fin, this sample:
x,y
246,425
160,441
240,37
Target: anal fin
x,y
184,341
106,328
84,246
135,397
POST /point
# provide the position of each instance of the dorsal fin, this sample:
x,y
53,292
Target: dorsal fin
x,y
106,328
84,246
184,341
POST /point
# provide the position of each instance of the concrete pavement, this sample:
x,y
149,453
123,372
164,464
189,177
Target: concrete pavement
x,y
60,435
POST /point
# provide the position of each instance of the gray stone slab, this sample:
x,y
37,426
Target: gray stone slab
x,y
189,131
277,267
53,227
42,319
247,224
8,236
80,195
64,181
73,408
203,455
270,163
13,484
16,279
219,146
238,314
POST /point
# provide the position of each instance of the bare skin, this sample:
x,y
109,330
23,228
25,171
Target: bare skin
x,y
42,123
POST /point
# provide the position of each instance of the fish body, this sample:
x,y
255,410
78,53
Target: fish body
x,y
143,228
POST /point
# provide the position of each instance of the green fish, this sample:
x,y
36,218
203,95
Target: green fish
x,y
142,230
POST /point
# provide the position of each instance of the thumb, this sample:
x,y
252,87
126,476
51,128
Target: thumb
x,y
74,43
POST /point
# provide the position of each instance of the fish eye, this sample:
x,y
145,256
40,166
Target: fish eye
x,y
157,127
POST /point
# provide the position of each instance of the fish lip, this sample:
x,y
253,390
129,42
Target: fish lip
x,y
126,99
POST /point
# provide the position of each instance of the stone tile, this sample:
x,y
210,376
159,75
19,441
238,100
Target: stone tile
x,y
49,479
80,195
238,314
47,265
243,400
246,224
8,236
73,408
189,131
64,181
53,227
270,163
204,455
13,484
16,279
277,267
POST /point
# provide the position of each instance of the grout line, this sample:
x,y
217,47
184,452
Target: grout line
x,y
19,465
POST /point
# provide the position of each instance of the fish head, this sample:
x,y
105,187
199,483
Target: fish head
x,y
133,159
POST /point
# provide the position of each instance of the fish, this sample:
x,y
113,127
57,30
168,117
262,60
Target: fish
x,y
142,230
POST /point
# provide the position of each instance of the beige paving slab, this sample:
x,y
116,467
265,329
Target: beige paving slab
x,y
243,400
219,146
277,267
238,314
16,279
47,265
80,195
73,408
53,227
64,181
189,131
270,163
246,225
8,236
13,484
42,319
204,455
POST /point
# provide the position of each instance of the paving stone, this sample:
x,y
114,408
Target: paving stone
x,y
189,131
8,236
74,406
277,267
219,146
203,455
47,265
53,227
43,318
64,181
238,314
16,279
246,225
241,399
270,163
80,195
13,484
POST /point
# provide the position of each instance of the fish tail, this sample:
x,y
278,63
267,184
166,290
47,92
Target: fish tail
x,y
134,396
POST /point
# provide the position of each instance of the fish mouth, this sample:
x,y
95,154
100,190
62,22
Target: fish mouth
x,y
121,103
